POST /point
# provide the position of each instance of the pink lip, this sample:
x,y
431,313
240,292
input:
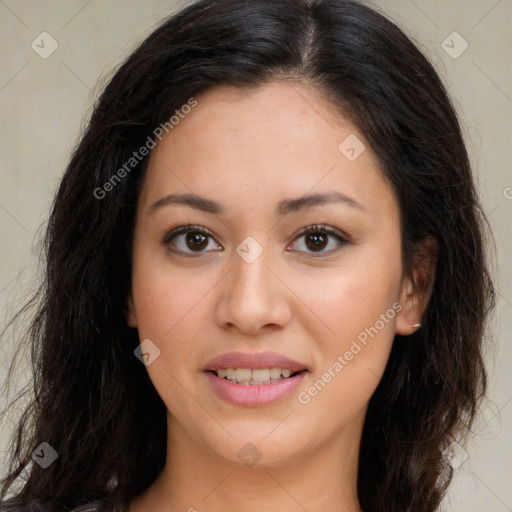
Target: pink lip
x,y
254,360
253,395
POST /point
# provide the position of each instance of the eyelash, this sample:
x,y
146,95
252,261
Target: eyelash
x,y
315,228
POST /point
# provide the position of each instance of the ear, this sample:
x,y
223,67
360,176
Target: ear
x,y
417,290
130,313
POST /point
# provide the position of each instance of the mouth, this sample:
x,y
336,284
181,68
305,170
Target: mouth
x,y
254,379
255,376
256,387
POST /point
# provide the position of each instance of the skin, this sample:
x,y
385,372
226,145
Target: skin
x,y
248,150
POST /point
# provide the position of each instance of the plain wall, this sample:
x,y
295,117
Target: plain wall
x,y
44,102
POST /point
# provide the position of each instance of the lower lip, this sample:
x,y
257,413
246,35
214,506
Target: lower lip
x,y
253,395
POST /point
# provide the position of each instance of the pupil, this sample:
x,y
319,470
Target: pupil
x,y
319,241
197,241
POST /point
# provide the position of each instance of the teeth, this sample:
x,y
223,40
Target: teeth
x,y
254,377
262,375
275,373
242,374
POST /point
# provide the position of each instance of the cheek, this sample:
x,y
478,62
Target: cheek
x,y
163,306
356,295
166,296
359,305
170,310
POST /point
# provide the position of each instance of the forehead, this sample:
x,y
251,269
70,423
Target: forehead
x,y
265,143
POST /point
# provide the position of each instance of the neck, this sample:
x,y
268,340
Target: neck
x,y
196,479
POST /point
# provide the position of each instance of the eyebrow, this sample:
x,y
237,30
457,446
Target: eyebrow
x,y
284,207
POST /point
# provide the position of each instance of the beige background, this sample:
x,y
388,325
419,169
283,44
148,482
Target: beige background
x,y
43,104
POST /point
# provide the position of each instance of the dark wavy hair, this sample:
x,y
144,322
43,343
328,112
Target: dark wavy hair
x,y
91,398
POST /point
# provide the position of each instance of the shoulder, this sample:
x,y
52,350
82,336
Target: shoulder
x,y
14,505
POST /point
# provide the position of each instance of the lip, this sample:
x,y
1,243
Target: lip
x,y
245,395
254,361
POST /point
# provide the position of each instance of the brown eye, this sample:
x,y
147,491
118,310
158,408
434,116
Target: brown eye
x,y
316,241
188,240
196,241
318,238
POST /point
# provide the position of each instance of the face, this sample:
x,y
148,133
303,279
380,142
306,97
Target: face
x,y
262,273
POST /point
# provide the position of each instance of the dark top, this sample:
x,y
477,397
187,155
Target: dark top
x,y
13,505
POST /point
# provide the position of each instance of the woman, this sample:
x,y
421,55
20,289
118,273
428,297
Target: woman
x,y
266,282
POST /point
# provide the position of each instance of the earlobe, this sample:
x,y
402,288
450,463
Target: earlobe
x,y
417,289
130,314
409,318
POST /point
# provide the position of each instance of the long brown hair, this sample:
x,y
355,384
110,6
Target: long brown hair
x,y
92,399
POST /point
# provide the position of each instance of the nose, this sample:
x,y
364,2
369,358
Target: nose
x,y
252,297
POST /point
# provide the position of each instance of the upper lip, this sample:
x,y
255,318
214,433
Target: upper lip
x,y
254,360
